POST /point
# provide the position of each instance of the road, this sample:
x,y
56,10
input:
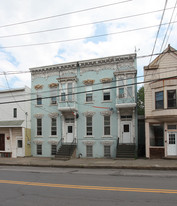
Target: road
x,y
24,186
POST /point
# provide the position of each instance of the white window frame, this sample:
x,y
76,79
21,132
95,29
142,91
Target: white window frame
x,y
52,149
38,127
66,91
38,149
107,155
89,135
53,94
39,97
55,126
89,153
88,91
106,135
106,89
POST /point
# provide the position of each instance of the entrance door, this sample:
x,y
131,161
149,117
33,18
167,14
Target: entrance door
x,y
69,132
19,147
2,142
172,144
126,132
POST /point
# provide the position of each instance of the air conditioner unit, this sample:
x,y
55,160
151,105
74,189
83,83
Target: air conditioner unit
x,y
121,95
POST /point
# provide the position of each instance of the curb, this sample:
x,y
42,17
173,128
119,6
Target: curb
x,y
93,166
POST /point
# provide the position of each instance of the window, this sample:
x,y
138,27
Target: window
x,y
15,112
171,96
89,94
66,92
106,92
39,126
107,151
53,149
19,143
126,128
159,104
70,90
63,92
53,94
88,126
172,139
54,126
39,149
129,92
39,100
121,92
157,135
173,126
89,150
107,125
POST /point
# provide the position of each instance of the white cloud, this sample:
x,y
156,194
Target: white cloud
x,y
20,59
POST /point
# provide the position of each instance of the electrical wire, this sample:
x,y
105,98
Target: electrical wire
x,y
82,38
168,26
85,24
64,14
158,30
95,90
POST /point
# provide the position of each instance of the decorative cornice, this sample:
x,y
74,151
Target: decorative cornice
x,y
53,142
38,141
106,113
88,113
125,72
88,142
53,115
38,86
88,82
107,142
38,115
64,79
106,80
53,85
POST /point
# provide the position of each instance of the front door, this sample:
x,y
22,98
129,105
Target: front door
x,y
172,144
126,132
69,132
2,142
19,147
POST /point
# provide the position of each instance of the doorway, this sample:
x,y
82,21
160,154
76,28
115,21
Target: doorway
x,y
172,144
126,132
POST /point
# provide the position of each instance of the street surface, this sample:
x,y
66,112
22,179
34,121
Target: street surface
x,y
44,186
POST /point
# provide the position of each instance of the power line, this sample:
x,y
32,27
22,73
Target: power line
x,y
82,92
85,24
81,38
168,26
159,29
65,14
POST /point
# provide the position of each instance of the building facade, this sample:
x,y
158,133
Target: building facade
x,y
90,103
15,123
161,105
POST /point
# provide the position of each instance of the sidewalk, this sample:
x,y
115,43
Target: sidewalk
x,y
156,164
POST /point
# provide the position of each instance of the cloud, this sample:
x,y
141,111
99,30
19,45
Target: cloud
x,y
21,59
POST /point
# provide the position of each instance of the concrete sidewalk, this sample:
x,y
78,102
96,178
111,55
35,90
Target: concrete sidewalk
x,y
156,164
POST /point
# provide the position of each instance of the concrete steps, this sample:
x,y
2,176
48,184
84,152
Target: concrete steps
x,y
126,151
65,152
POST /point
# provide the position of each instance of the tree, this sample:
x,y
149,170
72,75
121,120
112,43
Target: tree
x,y
140,101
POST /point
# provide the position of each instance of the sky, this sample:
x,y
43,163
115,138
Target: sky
x,y
17,19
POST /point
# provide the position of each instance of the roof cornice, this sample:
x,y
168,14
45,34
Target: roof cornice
x,y
85,63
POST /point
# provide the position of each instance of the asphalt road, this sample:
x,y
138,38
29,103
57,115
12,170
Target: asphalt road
x,y
23,186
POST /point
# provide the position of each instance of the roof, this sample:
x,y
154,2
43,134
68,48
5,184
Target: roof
x,y
15,123
155,63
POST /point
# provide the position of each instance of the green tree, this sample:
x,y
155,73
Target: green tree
x,y
140,101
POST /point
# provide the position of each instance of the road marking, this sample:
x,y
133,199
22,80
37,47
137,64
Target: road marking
x,y
83,187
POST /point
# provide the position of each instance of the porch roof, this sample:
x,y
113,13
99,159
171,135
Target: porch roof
x,y
15,123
